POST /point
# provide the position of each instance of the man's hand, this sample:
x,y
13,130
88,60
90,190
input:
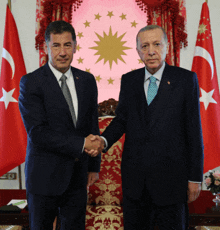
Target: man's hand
x,y
193,191
92,178
94,145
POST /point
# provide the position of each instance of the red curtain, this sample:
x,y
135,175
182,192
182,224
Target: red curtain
x,y
49,11
171,15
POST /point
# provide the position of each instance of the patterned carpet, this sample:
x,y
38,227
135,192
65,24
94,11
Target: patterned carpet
x,y
4,227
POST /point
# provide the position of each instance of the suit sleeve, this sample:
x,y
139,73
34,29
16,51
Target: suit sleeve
x,y
40,133
118,125
94,162
194,131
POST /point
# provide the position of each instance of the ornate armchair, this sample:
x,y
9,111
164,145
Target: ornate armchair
x,y
104,209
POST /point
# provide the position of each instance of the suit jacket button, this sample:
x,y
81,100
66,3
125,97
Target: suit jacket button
x,y
76,159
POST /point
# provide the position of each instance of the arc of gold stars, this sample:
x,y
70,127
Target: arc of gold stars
x,y
140,61
78,47
110,14
87,24
110,81
98,78
80,60
97,16
80,35
123,17
134,24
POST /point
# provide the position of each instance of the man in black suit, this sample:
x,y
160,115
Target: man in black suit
x,y
58,104
162,161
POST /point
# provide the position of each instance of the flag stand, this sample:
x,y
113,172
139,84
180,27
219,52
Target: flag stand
x,y
19,177
19,167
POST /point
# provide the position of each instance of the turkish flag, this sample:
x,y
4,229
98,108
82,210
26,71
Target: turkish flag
x,y
204,66
12,131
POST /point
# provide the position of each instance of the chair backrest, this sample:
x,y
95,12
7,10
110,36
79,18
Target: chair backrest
x,y
108,190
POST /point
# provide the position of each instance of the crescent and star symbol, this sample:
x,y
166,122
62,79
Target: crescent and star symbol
x,y
7,96
201,52
206,97
7,56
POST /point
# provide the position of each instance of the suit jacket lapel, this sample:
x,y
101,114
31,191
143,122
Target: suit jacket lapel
x,y
162,99
54,85
139,87
140,97
55,88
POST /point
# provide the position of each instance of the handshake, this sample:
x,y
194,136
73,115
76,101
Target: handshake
x,y
94,145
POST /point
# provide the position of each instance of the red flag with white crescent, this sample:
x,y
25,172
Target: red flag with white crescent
x,y
204,66
12,131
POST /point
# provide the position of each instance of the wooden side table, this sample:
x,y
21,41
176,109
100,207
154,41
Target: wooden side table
x,y
21,218
203,211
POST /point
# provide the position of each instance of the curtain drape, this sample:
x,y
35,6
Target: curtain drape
x,y
171,15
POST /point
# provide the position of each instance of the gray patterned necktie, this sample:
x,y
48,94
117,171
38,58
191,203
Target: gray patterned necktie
x,y
152,90
67,95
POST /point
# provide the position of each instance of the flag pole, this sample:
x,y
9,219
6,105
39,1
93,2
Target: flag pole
x,y
9,4
19,167
19,177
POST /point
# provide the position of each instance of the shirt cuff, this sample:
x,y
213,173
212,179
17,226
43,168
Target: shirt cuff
x,y
84,145
197,182
106,142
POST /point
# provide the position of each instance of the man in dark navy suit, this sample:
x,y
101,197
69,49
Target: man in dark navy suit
x,y
162,161
58,104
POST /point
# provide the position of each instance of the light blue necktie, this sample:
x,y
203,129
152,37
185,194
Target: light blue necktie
x,y
152,90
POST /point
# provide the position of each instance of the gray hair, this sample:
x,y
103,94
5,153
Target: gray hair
x,y
152,27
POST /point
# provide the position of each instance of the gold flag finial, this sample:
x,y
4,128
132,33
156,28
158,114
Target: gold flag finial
x,y
9,4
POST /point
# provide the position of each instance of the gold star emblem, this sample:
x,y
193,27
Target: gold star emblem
x,y
133,24
98,78
110,81
87,24
110,47
80,60
80,35
140,61
97,16
88,70
123,16
110,14
202,29
78,47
